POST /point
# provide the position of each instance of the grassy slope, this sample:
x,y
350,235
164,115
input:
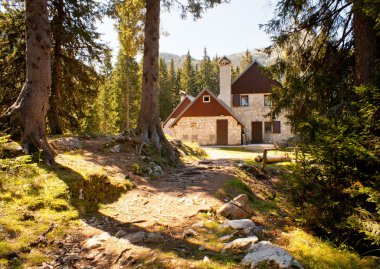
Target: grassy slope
x,y
271,205
33,196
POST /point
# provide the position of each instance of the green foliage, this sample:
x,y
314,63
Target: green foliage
x,y
165,90
118,101
12,54
335,185
246,60
188,76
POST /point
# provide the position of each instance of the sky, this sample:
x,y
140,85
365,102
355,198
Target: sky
x,y
225,29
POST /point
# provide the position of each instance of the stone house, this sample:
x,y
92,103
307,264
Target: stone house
x,y
237,116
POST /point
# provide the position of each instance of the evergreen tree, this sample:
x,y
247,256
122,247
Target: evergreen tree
x,y
119,97
175,89
188,76
246,60
165,91
214,81
205,72
12,53
328,49
235,72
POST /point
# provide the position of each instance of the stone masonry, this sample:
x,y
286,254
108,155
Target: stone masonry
x,y
256,111
203,130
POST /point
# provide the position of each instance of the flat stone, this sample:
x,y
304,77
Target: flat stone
x,y
238,224
104,236
266,251
240,243
226,237
189,233
135,237
92,243
206,259
120,234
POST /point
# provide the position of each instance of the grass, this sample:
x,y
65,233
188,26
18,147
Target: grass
x,y
233,187
33,196
315,253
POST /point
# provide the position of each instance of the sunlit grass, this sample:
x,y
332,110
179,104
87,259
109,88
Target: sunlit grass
x,y
315,253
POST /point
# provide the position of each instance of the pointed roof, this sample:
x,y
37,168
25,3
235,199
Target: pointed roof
x,y
253,80
222,107
181,106
224,61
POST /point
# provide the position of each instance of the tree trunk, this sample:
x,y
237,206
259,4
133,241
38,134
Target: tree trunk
x,y
27,115
55,99
149,125
366,49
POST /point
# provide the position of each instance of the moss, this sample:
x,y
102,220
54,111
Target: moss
x,y
137,169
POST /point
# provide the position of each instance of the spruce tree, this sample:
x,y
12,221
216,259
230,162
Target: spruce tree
x,y
205,72
165,91
188,76
246,60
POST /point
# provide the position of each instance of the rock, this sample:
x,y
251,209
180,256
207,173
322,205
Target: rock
x,y
237,208
201,248
104,236
92,243
154,238
255,230
135,237
240,243
12,255
189,233
116,149
238,224
206,259
266,251
120,234
199,224
226,237
66,143
120,138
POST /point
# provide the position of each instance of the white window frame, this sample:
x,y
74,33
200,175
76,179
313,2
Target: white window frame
x,y
270,97
209,99
241,100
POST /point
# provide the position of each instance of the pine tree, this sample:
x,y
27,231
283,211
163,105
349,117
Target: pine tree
x,y
214,78
246,60
165,91
27,115
205,71
173,85
188,76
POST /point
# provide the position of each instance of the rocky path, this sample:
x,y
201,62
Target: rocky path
x,y
155,225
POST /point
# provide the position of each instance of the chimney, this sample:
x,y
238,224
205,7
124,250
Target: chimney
x,y
225,81
182,94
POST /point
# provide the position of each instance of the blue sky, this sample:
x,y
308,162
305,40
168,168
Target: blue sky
x,y
226,29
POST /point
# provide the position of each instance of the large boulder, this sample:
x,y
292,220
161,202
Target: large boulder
x,y
237,208
265,251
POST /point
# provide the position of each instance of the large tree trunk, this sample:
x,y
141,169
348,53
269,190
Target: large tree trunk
x,y
366,47
149,125
55,100
27,115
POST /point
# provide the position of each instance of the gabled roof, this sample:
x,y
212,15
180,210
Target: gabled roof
x,y
224,59
224,107
181,106
253,80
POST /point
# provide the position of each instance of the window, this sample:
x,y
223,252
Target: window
x,y
267,100
206,98
276,127
244,100
268,127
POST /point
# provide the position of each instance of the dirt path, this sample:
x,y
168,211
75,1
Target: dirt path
x,y
158,212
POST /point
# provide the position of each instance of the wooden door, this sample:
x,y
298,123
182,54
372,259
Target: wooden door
x,y
257,132
222,132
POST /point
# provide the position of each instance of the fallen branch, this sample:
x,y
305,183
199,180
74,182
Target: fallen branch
x,y
42,238
121,255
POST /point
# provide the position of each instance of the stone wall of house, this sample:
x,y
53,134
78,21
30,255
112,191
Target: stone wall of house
x,y
167,129
256,111
203,130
